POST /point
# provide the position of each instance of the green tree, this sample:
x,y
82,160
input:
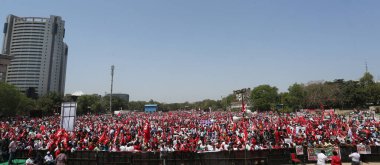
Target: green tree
x,y
296,96
353,94
13,102
367,79
320,94
89,103
370,88
373,94
136,105
226,101
49,103
117,103
264,97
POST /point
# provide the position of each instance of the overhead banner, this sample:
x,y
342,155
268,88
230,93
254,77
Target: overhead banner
x,y
68,115
312,152
364,149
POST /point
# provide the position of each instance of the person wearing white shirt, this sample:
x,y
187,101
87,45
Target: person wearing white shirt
x,y
355,157
163,153
49,160
29,161
377,142
209,147
321,158
170,148
12,150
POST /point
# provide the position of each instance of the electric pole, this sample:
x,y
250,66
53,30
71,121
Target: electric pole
x,y
112,69
242,93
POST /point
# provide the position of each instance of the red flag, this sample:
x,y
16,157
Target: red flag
x,y
103,137
245,133
146,132
242,106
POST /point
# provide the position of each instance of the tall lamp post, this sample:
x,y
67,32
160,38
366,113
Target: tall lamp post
x,y
112,69
242,93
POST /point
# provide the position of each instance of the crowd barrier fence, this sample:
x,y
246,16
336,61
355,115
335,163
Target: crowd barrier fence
x,y
263,157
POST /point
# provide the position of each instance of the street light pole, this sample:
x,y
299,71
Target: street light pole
x,y
112,69
242,92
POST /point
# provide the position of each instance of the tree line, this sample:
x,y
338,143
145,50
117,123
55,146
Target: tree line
x,y
338,93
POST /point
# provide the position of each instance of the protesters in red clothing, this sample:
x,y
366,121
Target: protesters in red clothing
x,y
335,160
185,130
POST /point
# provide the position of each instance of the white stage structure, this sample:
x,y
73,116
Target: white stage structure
x,y
68,115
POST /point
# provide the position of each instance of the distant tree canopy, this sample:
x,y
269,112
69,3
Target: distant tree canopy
x,y
323,94
334,94
264,97
12,101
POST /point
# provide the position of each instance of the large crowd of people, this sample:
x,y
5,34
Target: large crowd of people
x,y
193,131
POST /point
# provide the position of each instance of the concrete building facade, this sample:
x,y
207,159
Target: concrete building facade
x,y
4,62
39,55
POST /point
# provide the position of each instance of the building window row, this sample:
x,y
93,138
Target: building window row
x,y
23,70
24,39
18,45
29,28
37,31
31,78
29,64
11,67
27,77
19,78
17,72
27,52
27,58
27,36
28,25
23,44
25,48
22,22
21,52
28,41
23,81
26,32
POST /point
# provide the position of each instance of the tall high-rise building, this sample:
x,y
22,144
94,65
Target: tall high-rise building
x,y
39,55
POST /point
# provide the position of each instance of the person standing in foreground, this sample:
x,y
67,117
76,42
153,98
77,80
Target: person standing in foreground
x,y
335,160
61,158
12,150
321,158
48,159
355,157
30,160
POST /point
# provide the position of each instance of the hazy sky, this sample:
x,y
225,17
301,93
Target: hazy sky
x,y
190,50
